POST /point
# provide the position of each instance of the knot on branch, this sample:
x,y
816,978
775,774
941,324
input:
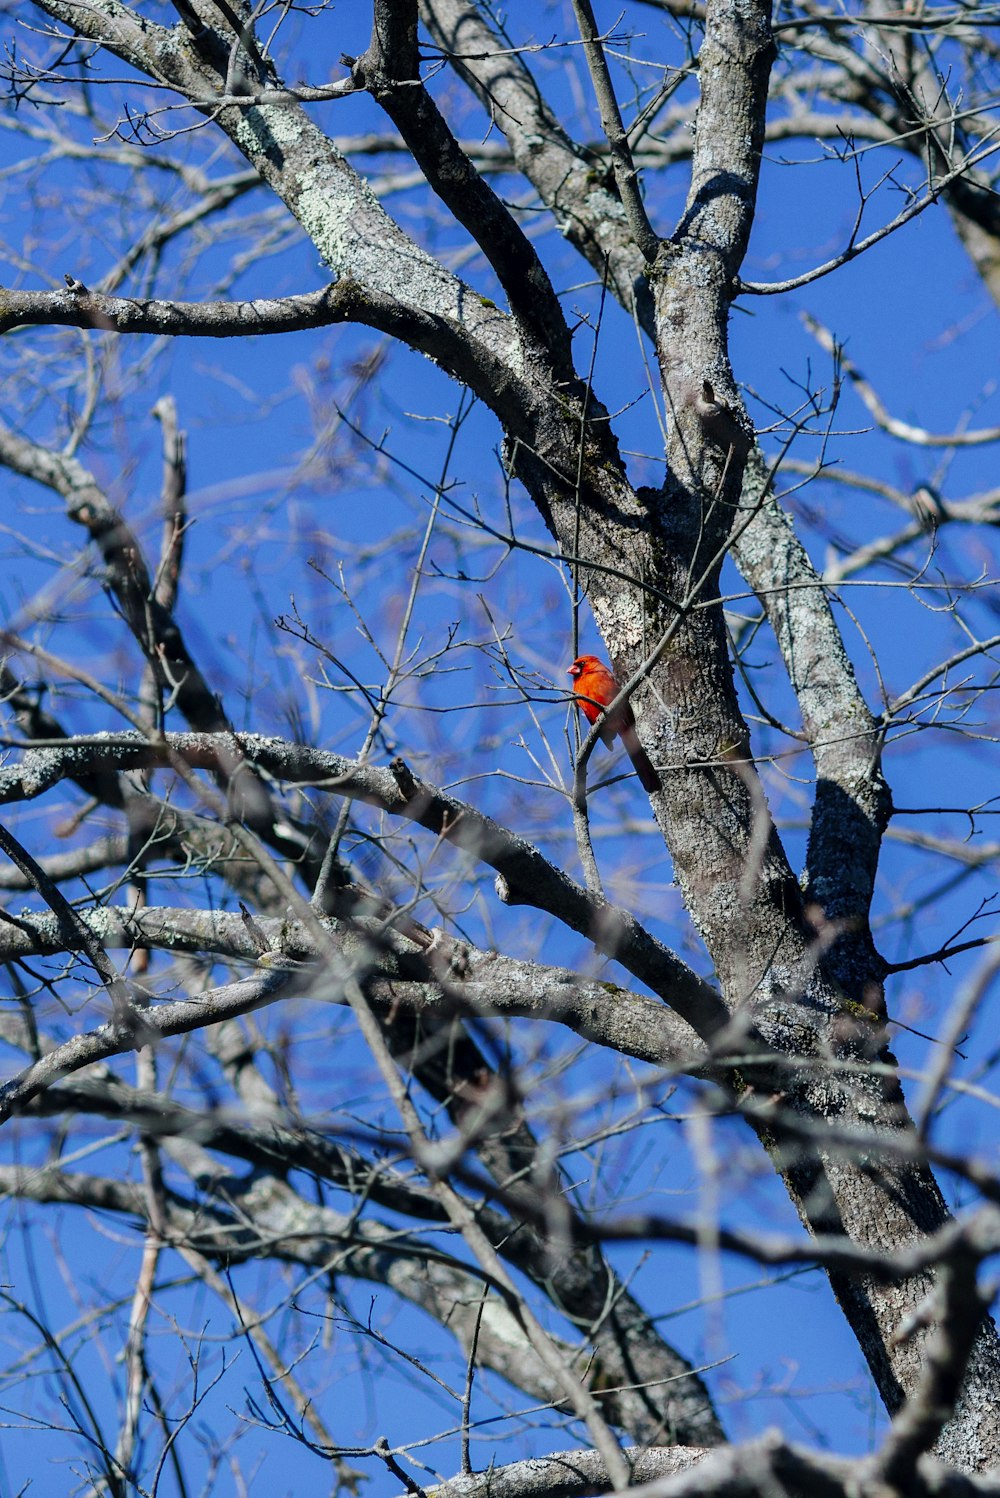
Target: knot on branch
x,y
404,778
720,422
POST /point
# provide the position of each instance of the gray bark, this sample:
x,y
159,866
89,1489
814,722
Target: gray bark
x,y
649,563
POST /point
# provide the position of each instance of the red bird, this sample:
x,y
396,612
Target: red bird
x,y
595,684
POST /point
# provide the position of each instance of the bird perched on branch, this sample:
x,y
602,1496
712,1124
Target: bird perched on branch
x,y
595,687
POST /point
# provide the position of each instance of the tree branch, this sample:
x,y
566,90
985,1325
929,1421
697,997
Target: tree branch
x,y
178,1018
524,870
480,982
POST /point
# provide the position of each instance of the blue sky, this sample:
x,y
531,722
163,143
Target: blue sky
x,y
279,481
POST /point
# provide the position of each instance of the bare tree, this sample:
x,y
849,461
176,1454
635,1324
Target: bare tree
x,y
348,993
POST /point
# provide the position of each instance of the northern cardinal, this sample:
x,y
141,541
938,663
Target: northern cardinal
x,y
593,683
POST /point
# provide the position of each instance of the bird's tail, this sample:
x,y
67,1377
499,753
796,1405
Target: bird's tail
x,y
640,759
